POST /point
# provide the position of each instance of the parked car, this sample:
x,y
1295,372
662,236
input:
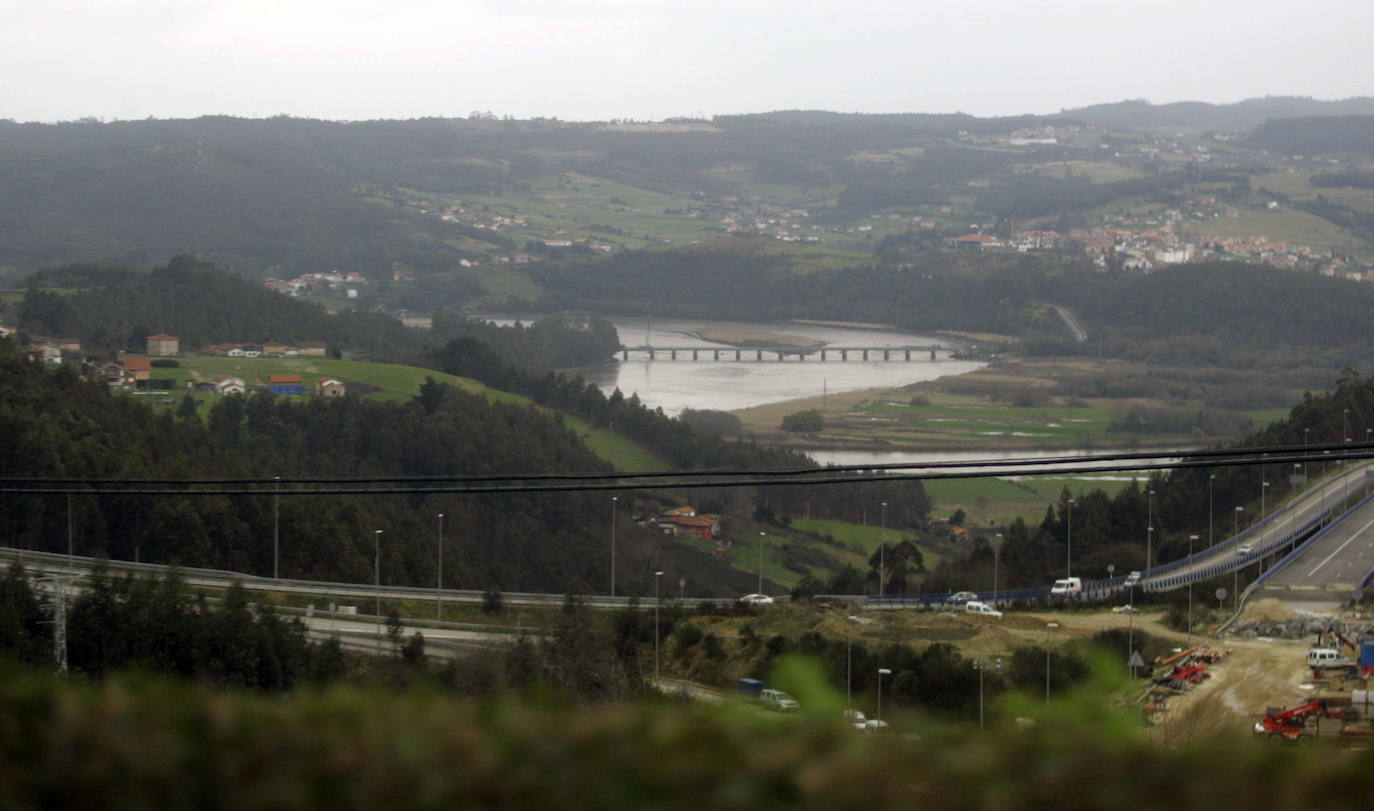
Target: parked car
x,y
975,607
756,599
855,717
778,700
961,597
1067,587
872,726
1125,609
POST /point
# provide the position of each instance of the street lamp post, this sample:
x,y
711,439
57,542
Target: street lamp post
x,y
657,575
1264,486
1068,561
1235,573
377,578
882,552
439,589
1304,452
882,671
276,525
1191,538
996,553
762,535
1211,480
849,665
1150,529
614,499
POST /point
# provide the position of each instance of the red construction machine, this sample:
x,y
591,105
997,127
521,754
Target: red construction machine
x,y
1296,724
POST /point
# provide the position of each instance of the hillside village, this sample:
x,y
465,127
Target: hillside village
x,y
151,372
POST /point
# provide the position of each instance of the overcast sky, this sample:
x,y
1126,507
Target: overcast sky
x,y
651,59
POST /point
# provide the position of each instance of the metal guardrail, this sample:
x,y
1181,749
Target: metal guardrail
x,y
60,562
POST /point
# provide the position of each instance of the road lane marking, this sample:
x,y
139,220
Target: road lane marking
x,y
1352,537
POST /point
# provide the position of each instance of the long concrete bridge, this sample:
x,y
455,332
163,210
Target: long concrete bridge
x,y
781,353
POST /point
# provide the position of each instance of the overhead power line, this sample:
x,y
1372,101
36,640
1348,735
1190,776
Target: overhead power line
x,y
755,478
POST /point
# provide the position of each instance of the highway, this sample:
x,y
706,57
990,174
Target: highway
x,y
1332,566
1274,534
360,594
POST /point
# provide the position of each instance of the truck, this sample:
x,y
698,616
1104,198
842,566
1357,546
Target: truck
x,y
750,688
1067,587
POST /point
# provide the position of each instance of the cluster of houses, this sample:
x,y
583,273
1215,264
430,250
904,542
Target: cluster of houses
x,y
269,349
136,374
305,283
685,521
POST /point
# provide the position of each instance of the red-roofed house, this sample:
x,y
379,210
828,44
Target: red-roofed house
x,y
285,384
140,368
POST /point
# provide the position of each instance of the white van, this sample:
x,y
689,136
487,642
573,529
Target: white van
x,y
1327,657
975,607
1068,587
778,700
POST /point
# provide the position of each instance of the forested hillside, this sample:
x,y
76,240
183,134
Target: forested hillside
x,y
54,424
115,308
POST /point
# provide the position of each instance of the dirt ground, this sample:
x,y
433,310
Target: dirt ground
x,y
1258,673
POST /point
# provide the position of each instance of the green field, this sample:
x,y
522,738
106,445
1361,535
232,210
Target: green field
x,y
867,537
1001,501
968,421
1284,224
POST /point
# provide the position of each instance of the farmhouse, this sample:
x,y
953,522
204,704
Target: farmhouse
x,y
329,387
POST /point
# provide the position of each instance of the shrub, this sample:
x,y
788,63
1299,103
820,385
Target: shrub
x,y
804,422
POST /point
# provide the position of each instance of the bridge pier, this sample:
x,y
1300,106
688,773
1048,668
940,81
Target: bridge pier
x,y
886,356
759,357
932,352
651,353
674,351
908,354
737,354
822,356
844,355
865,354
624,354
694,354
717,353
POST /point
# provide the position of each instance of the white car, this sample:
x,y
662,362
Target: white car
x,y
756,599
961,597
872,726
975,607
778,700
855,717
1125,609
1245,549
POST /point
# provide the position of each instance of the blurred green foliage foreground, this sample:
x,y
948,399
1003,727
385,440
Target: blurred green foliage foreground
x,y
134,742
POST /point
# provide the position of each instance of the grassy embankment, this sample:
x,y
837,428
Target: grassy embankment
x,y
161,744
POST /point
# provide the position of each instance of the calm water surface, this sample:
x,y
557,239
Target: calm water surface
x,y
727,385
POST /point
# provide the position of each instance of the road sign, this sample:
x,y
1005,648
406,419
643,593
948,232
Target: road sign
x,y
1221,594
1135,660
